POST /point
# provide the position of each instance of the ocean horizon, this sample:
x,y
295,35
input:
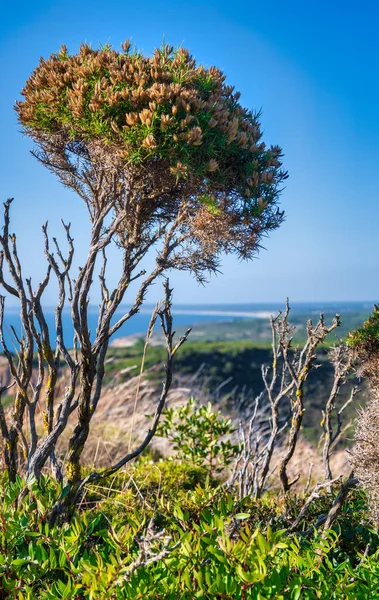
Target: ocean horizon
x,y
184,316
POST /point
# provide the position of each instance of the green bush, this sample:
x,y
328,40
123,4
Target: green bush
x,y
145,484
169,530
199,435
217,554
366,337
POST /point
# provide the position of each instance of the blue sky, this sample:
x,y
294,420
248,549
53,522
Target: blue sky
x,y
311,67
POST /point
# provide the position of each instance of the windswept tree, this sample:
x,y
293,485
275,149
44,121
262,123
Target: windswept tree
x,y
165,158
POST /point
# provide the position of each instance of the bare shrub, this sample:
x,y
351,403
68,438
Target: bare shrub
x,y
364,344
272,440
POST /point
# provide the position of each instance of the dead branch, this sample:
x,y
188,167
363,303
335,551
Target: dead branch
x,y
285,379
342,363
314,495
148,554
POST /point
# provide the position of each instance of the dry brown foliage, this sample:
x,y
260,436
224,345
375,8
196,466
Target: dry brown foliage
x,y
156,138
365,453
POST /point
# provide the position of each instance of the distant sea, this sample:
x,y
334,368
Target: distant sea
x,y
184,316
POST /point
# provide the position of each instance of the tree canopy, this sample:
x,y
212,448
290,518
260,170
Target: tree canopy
x,y
161,134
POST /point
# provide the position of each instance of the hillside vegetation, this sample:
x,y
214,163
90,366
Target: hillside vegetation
x,y
172,469
168,529
230,372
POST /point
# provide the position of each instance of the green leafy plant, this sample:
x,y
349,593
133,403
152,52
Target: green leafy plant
x,y
203,543
199,435
208,548
366,337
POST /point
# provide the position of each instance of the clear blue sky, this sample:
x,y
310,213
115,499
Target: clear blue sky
x,y
312,68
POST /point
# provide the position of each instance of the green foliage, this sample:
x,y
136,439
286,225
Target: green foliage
x,y
367,336
218,552
171,130
197,434
143,484
164,107
7,401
